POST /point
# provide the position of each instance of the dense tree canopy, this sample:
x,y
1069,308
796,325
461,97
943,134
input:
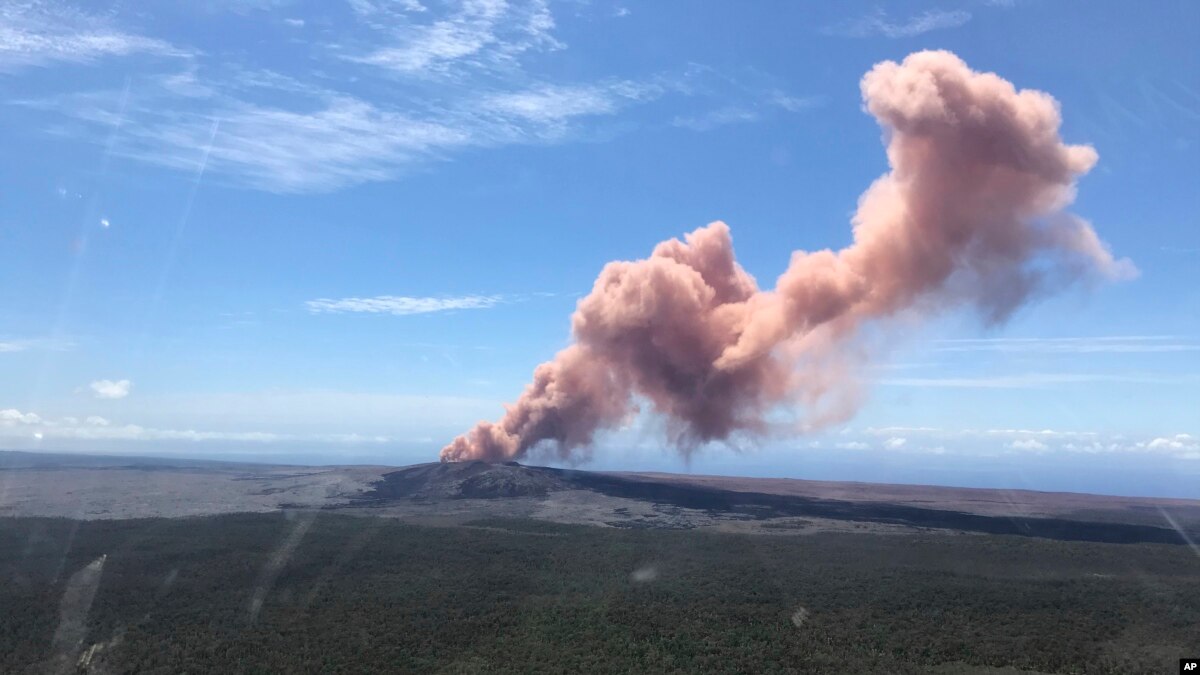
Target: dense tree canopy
x,y
314,592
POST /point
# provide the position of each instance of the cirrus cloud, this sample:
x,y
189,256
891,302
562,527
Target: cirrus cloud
x,y
878,24
38,34
401,305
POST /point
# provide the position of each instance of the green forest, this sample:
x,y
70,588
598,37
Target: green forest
x,y
307,592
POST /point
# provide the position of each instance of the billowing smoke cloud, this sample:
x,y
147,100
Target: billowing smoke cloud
x,y
971,213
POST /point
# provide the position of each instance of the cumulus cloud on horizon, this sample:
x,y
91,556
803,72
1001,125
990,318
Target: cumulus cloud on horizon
x,y
110,389
17,424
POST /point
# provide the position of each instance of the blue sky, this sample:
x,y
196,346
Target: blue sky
x,y
346,231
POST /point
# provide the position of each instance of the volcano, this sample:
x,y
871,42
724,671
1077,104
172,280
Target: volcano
x,y
471,480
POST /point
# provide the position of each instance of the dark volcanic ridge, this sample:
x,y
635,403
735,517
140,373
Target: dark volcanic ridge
x,y
483,480
467,480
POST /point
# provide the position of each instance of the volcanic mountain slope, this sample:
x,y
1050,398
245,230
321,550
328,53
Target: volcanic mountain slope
x,y
692,501
475,480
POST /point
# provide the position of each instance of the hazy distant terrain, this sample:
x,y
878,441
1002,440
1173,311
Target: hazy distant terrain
x,y
89,487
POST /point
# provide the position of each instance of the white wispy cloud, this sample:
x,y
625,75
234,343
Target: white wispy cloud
x,y
988,441
477,34
715,118
1034,380
41,33
10,345
401,305
878,23
550,104
343,141
430,82
794,103
1044,434
110,389
325,140
750,111
1117,344
287,417
278,133
15,424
